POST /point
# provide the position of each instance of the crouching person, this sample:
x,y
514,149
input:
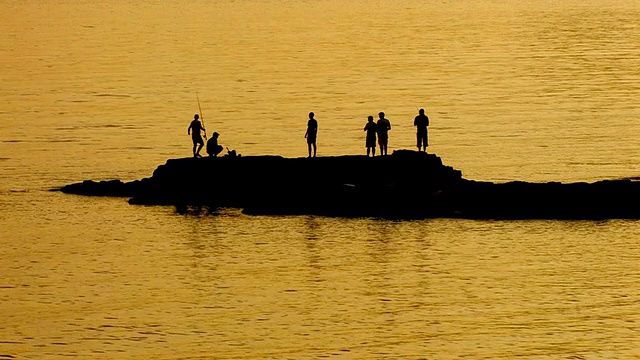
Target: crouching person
x,y
213,148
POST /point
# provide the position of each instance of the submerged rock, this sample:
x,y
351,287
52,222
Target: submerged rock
x,y
114,188
407,184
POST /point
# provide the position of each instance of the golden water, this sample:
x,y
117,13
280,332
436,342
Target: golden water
x,y
534,91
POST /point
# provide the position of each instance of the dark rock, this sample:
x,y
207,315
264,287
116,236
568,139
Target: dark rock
x,y
405,185
103,188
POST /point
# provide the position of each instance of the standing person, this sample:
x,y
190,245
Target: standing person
x,y
311,134
421,122
195,129
213,148
383,126
370,128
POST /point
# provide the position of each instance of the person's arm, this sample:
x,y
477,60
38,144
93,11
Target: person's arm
x,y
189,129
388,125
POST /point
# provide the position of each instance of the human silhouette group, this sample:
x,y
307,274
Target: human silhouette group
x,y
196,129
379,130
377,133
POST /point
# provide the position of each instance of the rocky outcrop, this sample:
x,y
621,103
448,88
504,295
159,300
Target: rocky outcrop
x,y
114,188
521,200
405,185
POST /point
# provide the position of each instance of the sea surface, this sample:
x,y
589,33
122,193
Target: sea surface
x,y
516,90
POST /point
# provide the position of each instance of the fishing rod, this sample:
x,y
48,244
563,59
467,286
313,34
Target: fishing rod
x,y
201,117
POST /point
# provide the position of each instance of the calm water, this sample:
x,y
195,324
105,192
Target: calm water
x,y
534,91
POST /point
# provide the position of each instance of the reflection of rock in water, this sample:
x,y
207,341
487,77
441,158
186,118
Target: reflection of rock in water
x,y
407,184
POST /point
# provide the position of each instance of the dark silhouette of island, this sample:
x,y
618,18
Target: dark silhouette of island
x,y
418,186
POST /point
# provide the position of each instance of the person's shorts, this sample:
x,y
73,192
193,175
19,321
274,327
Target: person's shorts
x,y
311,139
383,138
423,138
214,150
197,140
371,141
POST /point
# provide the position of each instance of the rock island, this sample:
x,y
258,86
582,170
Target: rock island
x,y
404,185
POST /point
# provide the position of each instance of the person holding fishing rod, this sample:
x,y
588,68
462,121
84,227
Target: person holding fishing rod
x,y
195,129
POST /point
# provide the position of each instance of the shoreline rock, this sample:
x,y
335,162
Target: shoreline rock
x,y
404,185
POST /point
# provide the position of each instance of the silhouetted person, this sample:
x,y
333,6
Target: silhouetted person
x,y
311,134
195,129
383,126
421,122
213,148
370,128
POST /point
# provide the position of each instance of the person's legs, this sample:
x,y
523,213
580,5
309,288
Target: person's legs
x,y
425,141
315,149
